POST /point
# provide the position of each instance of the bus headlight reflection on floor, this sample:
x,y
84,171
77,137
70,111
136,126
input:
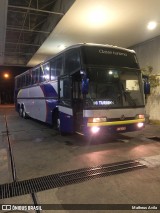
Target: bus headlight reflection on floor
x,y
140,125
95,129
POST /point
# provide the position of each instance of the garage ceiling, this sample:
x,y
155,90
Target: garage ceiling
x,y
25,25
38,29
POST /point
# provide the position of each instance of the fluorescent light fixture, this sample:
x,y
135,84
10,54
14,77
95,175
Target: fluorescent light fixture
x,y
110,72
152,25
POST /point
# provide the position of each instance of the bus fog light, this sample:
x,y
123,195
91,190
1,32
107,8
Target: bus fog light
x,y
140,125
95,129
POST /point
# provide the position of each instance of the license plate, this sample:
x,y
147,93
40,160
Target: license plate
x,y
122,128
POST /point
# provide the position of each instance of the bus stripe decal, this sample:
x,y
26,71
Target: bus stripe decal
x,y
116,123
66,110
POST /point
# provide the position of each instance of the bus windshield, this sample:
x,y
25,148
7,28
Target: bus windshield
x,y
102,56
114,88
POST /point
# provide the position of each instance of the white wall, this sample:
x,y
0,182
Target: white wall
x,y
153,105
148,54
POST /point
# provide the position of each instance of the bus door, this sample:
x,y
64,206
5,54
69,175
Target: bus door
x,y
77,101
66,123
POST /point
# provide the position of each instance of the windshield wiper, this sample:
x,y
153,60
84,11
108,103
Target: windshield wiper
x,y
129,98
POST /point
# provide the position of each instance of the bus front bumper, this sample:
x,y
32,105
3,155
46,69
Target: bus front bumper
x,y
114,127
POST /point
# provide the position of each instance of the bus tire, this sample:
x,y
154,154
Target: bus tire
x,y
24,115
20,111
55,119
57,123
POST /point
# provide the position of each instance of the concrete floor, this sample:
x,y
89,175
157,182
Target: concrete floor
x,y
39,151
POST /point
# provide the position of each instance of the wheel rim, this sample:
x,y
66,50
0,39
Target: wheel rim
x,y
20,111
58,123
23,113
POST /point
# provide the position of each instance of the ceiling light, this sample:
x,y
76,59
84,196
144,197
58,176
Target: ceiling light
x,y
110,72
97,16
61,47
152,25
47,68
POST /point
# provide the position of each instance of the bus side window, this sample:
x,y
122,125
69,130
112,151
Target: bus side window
x,y
23,80
33,76
19,82
41,75
53,69
65,89
59,70
56,68
37,76
72,61
27,79
46,71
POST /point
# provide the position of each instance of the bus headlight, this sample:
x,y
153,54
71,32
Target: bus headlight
x,y
95,129
140,125
140,116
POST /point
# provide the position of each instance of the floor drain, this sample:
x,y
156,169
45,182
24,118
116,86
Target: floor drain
x,y
66,178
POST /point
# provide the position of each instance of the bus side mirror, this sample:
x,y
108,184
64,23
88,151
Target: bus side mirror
x,y
85,85
146,88
146,84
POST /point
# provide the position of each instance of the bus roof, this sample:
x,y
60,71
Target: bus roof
x,y
80,45
99,45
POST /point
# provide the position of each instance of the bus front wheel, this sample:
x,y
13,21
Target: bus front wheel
x,y
56,120
57,123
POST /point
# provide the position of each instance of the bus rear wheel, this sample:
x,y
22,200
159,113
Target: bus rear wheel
x,y
57,124
20,111
24,115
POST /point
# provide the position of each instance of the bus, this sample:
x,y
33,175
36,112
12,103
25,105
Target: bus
x,y
89,89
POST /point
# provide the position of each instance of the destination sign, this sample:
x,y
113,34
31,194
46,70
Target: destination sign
x,y
103,103
109,52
